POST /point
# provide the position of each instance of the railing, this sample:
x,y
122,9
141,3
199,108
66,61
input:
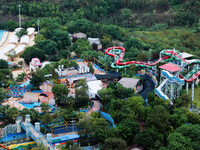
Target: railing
x,y
31,125
22,125
33,136
42,135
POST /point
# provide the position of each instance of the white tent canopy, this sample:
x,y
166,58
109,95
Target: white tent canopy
x,y
20,48
30,31
24,39
93,87
2,56
7,48
17,30
13,39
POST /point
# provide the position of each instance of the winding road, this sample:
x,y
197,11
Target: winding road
x,y
148,86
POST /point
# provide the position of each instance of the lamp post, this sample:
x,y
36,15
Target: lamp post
x,y
38,21
73,127
150,54
19,16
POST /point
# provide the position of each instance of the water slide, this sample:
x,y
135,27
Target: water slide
x,y
4,147
118,54
18,91
169,78
16,146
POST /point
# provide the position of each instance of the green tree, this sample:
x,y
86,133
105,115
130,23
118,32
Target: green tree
x,y
59,91
126,17
2,95
192,117
142,56
33,52
178,118
91,68
46,119
21,32
115,144
65,54
12,54
81,45
177,141
3,64
128,129
37,79
106,41
100,127
44,107
81,93
85,128
11,114
158,118
184,100
62,39
12,25
149,139
48,46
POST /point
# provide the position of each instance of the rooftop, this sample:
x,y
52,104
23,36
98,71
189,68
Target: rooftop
x,y
79,35
170,67
129,82
94,41
186,55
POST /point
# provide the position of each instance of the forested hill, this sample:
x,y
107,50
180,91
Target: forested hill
x,y
176,21
126,13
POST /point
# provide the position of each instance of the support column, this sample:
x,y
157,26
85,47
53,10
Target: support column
x,y
19,129
27,130
27,119
37,127
192,91
39,139
49,137
172,91
187,85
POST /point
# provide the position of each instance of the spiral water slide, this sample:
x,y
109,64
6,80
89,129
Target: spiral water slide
x,y
118,54
168,78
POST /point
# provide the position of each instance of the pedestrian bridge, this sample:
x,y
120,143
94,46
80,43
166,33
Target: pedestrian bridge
x,y
34,132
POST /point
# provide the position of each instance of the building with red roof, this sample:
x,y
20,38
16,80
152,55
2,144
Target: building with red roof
x,y
170,67
35,64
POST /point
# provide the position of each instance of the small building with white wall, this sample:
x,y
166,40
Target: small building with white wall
x,y
35,64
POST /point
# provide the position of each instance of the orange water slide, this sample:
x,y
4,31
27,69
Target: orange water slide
x,y
4,147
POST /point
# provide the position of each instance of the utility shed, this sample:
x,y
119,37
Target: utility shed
x,y
129,82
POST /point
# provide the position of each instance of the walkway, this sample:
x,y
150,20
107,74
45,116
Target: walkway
x,y
96,107
148,86
33,134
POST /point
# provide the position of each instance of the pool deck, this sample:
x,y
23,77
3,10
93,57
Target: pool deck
x,y
4,38
13,102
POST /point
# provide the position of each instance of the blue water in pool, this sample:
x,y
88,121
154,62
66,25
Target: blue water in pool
x,y
1,34
30,104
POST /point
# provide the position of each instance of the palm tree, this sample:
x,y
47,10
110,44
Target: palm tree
x,y
12,54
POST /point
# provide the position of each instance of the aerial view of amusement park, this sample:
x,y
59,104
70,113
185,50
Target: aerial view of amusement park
x,y
100,75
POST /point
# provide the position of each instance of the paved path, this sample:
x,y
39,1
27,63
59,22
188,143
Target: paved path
x,y
96,107
148,86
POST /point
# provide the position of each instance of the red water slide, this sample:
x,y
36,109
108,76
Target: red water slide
x,y
171,52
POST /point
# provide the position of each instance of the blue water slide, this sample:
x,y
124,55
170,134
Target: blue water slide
x,y
108,117
172,78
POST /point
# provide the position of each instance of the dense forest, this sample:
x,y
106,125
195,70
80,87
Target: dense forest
x,y
138,25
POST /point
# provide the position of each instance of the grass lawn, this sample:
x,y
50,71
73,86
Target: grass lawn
x,y
196,95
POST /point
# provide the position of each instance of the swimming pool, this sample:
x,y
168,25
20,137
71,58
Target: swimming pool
x,y
30,105
1,34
